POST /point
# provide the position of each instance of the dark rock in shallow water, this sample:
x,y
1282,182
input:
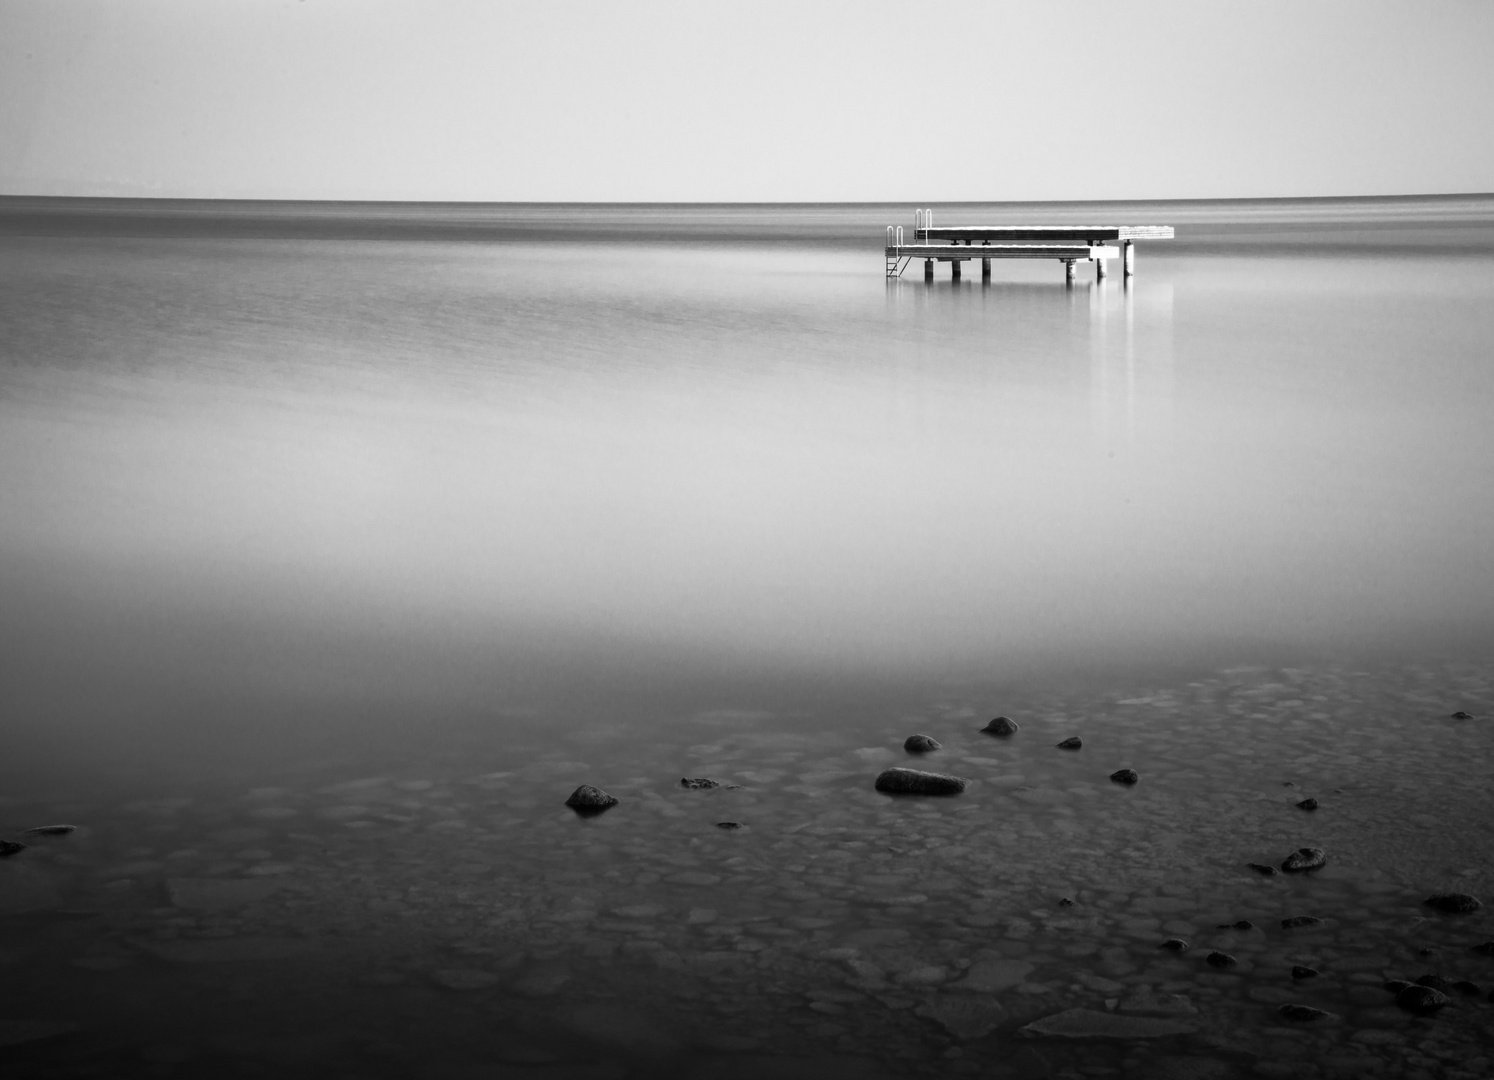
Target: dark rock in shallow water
x,y
1299,971
728,824
1300,922
1174,944
1461,715
1453,903
1302,1013
1303,860
1422,1000
9,848
590,800
1262,868
1001,725
1485,949
1124,776
1065,902
1464,986
918,782
1073,742
1243,924
1435,981
920,744
1220,960
1395,986
50,830
698,783
1308,804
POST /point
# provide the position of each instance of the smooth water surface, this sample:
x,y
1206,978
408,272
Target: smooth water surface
x,y
338,562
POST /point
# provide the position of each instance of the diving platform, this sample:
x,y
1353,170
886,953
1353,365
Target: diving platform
x,y
1070,244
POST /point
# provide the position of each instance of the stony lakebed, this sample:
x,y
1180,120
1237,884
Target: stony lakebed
x,y
1227,877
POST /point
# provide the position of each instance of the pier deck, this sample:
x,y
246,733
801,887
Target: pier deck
x,y
956,244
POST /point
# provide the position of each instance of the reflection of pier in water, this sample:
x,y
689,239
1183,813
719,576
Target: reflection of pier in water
x,y
1131,363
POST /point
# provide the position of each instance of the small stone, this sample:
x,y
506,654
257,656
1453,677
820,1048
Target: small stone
x,y
1302,1013
1463,986
1301,972
1218,959
916,782
920,744
1263,869
698,783
1001,725
1174,944
1065,901
1422,1000
1435,981
1243,924
50,830
590,800
9,848
1484,949
1124,776
728,824
1303,860
1308,804
1461,715
1073,742
1453,903
1299,922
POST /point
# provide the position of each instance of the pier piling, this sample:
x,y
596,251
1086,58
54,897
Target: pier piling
x,y
985,269
928,270
1068,271
1128,258
954,269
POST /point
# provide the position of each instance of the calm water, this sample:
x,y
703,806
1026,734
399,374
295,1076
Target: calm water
x,y
339,545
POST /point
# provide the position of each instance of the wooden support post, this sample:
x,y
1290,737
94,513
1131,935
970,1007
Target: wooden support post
x,y
1068,271
954,269
928,269
1099,269
1128,258
985,269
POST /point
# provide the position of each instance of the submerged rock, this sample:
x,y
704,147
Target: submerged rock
x,y
1435,981
1001,725
990,976
1304,859
918,782
50,830
1262,868
1073,742
1461,715
1302,1013
1065,901
1300,922
1453,903
9,848
1092,1024
1484,949
728,824
1308,804
1422,1000
1124,776
1395,986
1218,959
1300,971
920,744
590,800
1174,944
698,783
965,1017
1465,986
1243,924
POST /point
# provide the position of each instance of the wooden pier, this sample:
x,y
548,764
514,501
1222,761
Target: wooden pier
x,y
956,244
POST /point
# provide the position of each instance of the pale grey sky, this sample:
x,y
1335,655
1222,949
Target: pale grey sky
x,y
759,100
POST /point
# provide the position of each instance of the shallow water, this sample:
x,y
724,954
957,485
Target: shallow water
x,y
333,565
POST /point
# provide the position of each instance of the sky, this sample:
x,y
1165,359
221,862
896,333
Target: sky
x,y
759,101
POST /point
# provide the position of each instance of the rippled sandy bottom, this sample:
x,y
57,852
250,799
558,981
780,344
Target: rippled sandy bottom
x,y
448,918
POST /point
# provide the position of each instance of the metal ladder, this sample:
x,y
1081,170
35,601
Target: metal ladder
x,y
896,264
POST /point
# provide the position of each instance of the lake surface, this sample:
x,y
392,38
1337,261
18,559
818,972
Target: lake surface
x,y
341,543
